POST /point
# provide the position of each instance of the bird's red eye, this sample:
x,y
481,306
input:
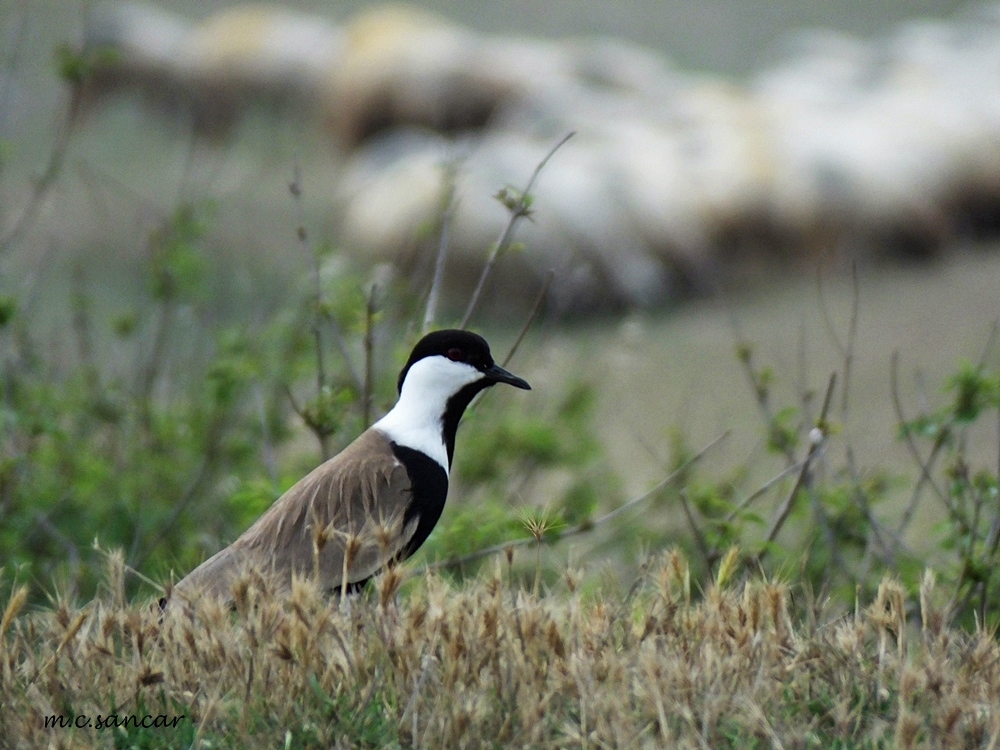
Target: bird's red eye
x,y
456,355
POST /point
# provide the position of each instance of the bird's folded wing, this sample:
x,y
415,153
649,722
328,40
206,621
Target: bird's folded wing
x,y
341,523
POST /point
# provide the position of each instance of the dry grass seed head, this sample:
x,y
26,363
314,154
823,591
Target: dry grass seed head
x,y
572,577
911,684
14,606
729,565
388,585
888,615
753,606
933,617
776,595
908,726
114,576
555,641
385,532
304,597
241,595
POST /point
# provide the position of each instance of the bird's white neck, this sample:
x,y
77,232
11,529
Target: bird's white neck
x,y
417,419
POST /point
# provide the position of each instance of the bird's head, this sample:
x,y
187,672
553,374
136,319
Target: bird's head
x,y
451,360
445,371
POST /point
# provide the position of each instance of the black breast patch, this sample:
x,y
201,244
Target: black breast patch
x,y
430,488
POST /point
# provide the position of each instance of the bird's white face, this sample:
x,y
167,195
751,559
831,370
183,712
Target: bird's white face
x,y
415,420
436,379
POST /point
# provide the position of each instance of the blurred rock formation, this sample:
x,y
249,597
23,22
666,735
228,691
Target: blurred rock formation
x,y
674,183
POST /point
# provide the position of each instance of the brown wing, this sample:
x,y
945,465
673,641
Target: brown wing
x,y
342,522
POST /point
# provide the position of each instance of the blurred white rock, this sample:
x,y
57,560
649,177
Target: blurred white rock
x,y
674,181
404,67
208,75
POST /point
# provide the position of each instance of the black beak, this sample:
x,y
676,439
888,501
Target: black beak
x,y
497,374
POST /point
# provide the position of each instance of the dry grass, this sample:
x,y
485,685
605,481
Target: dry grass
x,y
493,665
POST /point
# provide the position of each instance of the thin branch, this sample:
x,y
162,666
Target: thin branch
x,y
450,205
744,353
152,368
535,309
267,447
367,395
16,42
939,441
846,349
831,329
925,466
805,395
54,167
519,209
190,493
991,341
581,528
72,551
295,188
814,449
699,538
852,332
992,540
763,490
316,426
83,331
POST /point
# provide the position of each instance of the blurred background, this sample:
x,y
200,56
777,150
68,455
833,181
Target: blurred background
x,y
758,194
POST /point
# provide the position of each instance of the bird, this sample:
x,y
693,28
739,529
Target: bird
x,y
374,503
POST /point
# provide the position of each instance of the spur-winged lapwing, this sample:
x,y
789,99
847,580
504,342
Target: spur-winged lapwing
x,y
376,501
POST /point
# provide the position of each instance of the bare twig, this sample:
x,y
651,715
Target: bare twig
x,y
699,538
42,186
367,394
152,368
744,353
845,348
519,209
581,528
190,493
535,309
295,188
805,394
814,449
267,447
450,205
991,342
320,314
995,532
925,466
762,490
16,40
72,551
83,330
852,332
